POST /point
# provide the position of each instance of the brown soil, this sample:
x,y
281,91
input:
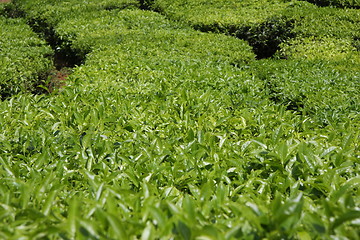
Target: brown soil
x,y
57,79
4,1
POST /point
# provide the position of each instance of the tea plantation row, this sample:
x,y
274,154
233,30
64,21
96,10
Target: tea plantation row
x,y
168,133
320,43
25,58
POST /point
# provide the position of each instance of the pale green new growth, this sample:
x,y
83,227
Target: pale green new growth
x,y
165,132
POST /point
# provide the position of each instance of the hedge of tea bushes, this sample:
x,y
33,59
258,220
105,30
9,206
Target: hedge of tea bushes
x,y
90,31
173,57
321,73
326,90
337,3
259,22
43,16
77,29
54,11
264,24
147,47
83,31
339,23
220,15
25,58
341,50
235,17
321,57
142,26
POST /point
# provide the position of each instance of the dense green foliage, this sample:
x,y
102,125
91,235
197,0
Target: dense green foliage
x,y
321,76
148,28
337,3
25,58
327,92
53,11
256,21
265,24
224,14
310,20
165,132
235,16
325,55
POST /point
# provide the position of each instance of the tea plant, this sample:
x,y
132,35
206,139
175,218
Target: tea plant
x,y
220,14
162,160
338,23
264,24
258,22
327,91
25,58
337,3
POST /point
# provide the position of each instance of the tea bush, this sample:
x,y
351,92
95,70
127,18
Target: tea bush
x,y
146,27
54,11
25,58
337,3
44,16
78,31
234,16
338,23
219,15
321,74
264,24
258,22
326,90
92,30
325,48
